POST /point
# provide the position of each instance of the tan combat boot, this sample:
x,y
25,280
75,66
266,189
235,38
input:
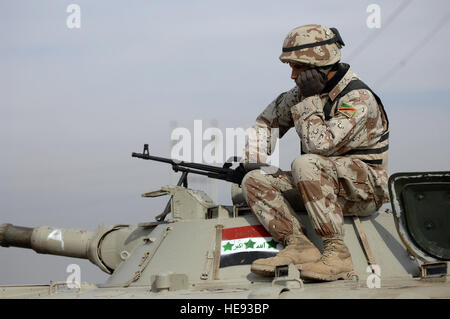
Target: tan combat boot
x,y
299,251
335,263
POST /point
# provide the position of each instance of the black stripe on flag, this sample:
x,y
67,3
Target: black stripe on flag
x,y
243,258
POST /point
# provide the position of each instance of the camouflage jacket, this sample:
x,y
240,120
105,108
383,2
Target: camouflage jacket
x,y
356,123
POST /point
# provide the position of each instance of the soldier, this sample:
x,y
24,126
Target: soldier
x,y
343,166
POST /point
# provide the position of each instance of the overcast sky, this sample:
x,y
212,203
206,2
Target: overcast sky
x,y
77,102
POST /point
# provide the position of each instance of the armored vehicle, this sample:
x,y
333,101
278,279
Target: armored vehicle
x,y
199,249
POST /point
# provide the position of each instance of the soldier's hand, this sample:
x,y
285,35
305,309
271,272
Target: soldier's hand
x,y
252,166
266,168
311,82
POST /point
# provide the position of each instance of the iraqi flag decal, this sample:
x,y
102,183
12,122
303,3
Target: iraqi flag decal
x,y
243,245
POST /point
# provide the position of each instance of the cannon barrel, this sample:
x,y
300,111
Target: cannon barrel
x,y
15,236
102,246
47,240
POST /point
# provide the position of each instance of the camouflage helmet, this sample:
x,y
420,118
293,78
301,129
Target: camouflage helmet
x,y
313,45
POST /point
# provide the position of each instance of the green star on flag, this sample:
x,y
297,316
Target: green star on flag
x,y
249,244
227,246
272,243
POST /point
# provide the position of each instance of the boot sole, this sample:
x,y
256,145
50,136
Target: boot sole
x,y
269,271
263,270
346,275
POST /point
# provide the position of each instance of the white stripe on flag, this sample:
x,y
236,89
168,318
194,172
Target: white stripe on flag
x,y
267,244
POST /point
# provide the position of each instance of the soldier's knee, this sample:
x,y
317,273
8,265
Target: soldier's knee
x,y
249,180
254,174
303,165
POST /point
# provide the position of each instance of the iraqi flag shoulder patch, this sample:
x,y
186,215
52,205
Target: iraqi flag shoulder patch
x,y
243,245
347,110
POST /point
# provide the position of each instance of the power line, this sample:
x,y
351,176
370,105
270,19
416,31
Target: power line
x,y
374,35
414,50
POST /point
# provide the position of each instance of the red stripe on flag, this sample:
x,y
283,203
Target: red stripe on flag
x,y
244,232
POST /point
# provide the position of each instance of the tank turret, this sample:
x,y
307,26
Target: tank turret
x,y
200,249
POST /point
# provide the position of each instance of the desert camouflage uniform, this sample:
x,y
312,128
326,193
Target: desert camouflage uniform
x,y
331,183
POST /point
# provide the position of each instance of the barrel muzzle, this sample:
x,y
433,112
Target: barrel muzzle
x,y
15,236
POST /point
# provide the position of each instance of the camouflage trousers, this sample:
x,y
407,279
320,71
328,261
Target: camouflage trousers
x,y
330,187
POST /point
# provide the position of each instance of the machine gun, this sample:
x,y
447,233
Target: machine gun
x,y
226,173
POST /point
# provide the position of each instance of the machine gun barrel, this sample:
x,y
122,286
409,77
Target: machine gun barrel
x,y
223,173
176,163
